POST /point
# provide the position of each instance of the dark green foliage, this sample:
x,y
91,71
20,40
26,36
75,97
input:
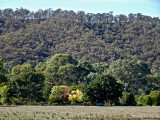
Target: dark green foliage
x,y
131,100
3,78
1,65
27,36
26,85
85,64
153,82
130,72
90,77
100,67
104,88
128,99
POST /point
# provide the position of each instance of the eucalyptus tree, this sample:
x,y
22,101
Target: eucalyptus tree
x,y
133,73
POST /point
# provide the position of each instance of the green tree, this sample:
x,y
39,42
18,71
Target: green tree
x,y
55,65
100,67
61,69
127,99
155,96
130,72
104,88
26,84
147,100
71,74
153,82
4,94
84,64
3,78
90,77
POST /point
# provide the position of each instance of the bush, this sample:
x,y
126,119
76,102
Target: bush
x,y
140,101
75,96
55,104
147,100
59,94
127,99
16,101
42,103
87,103
155,96
4,95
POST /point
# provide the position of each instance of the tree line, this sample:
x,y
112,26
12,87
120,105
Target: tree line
x,y
33,37
62,80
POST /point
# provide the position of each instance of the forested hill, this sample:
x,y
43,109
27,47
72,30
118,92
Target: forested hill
x,y
27,36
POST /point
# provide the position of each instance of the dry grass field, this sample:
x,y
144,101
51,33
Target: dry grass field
x,y
79,113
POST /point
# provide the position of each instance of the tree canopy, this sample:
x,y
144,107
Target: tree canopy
x,y
28,36
132,73
104,89
62,79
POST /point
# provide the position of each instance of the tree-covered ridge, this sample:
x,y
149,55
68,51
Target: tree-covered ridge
x,y
27,36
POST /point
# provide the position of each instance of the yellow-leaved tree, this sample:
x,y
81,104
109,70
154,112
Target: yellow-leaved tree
x,y
76,96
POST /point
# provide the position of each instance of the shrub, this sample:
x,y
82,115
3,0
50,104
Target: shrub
x,y
59,94
55,104
140,101
144,100
87,103
55,95
4,95
155,96
147,100
16,101
65,94
75,96
127,99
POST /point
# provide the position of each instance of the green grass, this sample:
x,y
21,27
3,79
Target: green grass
x,y
79,113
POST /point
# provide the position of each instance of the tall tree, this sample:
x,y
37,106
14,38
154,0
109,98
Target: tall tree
x,y
61,69
131,73
26,84
104,89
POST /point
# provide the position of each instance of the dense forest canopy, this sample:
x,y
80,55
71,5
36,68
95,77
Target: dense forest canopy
x,y
32,37
62,80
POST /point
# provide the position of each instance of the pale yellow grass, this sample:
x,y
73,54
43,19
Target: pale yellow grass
x,y
79,112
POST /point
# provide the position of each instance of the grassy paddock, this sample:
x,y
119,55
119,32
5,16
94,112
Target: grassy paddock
x,y
79,113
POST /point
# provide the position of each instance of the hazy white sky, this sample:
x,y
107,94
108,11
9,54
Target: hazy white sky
x,y
146,7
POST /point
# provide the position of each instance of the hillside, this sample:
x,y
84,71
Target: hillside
x,y
27,36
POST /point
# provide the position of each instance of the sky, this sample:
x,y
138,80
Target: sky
x,y
146,7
